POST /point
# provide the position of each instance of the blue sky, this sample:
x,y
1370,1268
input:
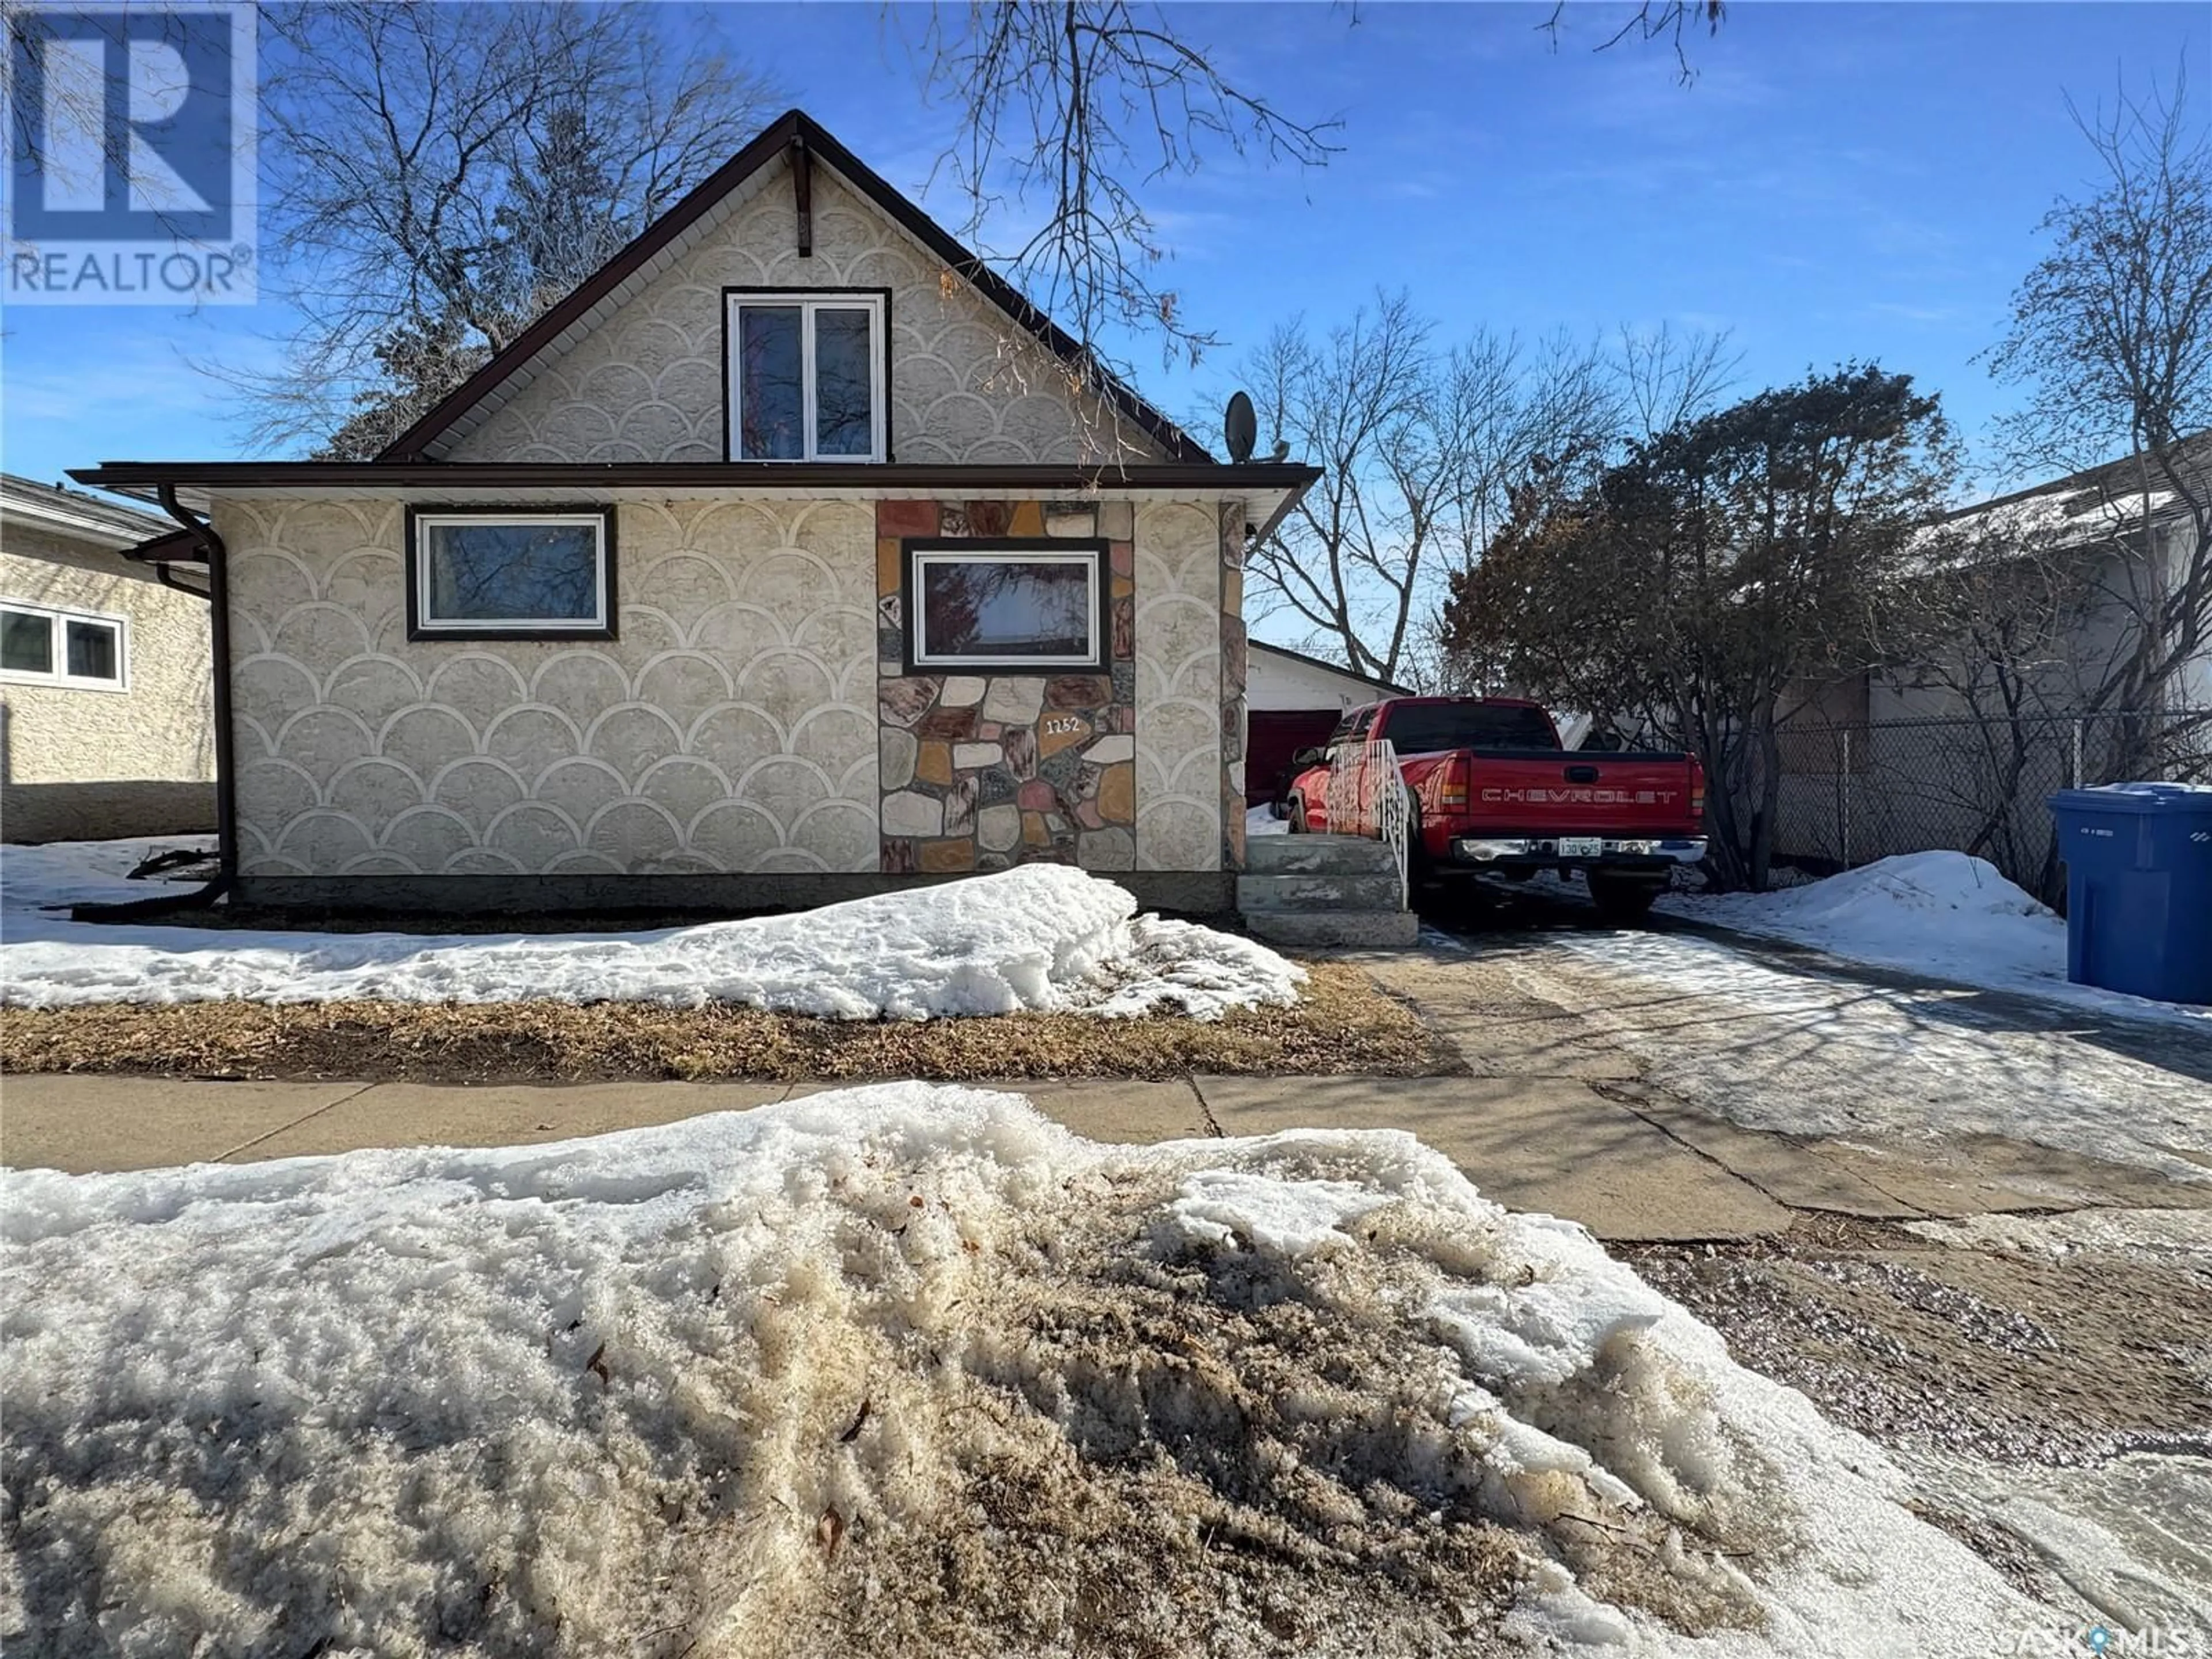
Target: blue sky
x,y
1839,181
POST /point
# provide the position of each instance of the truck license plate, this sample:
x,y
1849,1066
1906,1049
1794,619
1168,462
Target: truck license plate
x,y
1581,847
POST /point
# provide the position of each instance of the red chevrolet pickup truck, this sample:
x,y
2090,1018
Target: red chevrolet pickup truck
x,y
1489,789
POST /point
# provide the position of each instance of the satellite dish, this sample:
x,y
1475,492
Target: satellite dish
x,y
1240,427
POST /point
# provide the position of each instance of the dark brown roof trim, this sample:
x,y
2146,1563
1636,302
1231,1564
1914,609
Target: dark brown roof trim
x,y
1212,476
792,125
178,547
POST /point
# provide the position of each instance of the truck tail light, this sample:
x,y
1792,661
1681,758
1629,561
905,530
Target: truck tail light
x,y
1451,795
1698,800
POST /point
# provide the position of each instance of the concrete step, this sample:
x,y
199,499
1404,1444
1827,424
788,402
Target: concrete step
x,y
1370,930
1318,855
1317,892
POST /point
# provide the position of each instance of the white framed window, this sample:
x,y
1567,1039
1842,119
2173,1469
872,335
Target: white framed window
x,y
993,604
41,645
507,573
808,379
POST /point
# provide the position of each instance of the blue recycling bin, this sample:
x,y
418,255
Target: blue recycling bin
x,y
2138,861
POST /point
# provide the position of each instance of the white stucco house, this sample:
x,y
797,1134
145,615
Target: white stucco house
x,y
1961,746
106,704
790,558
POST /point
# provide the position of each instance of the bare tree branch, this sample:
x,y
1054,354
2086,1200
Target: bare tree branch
x,y
1069,109
1425,449
1653,20
2111,339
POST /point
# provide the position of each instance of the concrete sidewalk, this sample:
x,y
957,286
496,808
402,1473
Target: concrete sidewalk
x,y
1626,1164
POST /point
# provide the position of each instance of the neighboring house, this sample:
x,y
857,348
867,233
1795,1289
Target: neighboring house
x,y
1962,748
1294,703
791,557
106,724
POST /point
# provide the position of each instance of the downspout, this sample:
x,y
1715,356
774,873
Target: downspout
x,y
218,594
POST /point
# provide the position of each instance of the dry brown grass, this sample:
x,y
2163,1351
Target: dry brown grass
x,y
1341,1024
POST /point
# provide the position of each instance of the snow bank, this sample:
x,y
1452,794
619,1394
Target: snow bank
x,y
64,872
1944,914
1042,937
1260,820
901,1369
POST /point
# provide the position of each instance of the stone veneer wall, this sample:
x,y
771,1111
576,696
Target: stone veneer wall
x,y
1138,770
983,772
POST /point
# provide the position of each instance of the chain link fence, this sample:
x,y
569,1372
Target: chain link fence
x,y
1853,794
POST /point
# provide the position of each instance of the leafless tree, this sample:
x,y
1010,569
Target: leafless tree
x,y
1365,401
440,174
2111,339
1666,379
1070,112
1997,606
1425,449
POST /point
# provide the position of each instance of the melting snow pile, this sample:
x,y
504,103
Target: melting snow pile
x,y
1042,937
1893,903
907,1369
1260,820
1945,914
93,871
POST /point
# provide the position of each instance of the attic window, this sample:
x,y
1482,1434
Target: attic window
x,y
806,377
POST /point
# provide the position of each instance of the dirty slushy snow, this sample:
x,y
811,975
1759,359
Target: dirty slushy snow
x,y
1041,936
909,1366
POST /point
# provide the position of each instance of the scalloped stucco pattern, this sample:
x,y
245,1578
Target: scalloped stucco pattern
x,y
730,728
647,384
1178,568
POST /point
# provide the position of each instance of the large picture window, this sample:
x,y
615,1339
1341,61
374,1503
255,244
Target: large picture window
x,y
511,573
1005,605
41,645
806,377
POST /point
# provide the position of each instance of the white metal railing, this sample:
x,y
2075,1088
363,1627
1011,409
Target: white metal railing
x,y
1367,798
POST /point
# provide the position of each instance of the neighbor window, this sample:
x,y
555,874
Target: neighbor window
x,y
806,377
998,606
511,573
62,647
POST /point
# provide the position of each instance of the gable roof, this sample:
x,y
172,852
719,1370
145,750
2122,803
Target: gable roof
x,y
794,129
1386,687
2095,500
107,524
